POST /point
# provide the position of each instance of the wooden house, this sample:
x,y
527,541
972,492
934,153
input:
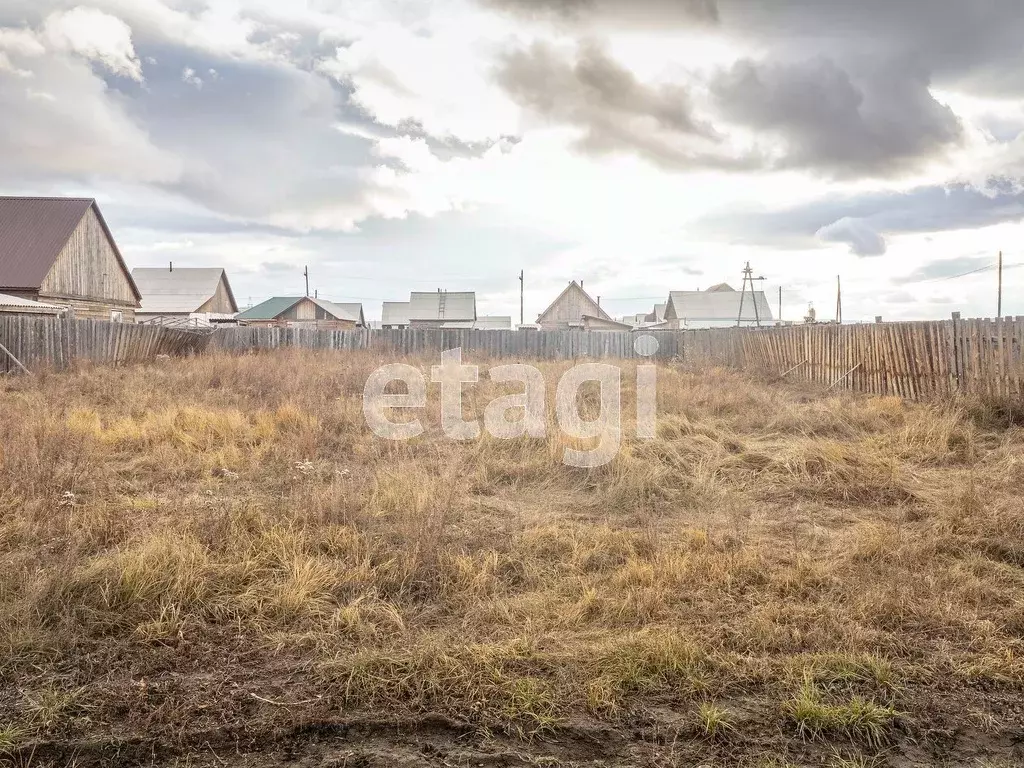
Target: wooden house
x,y
60,251
575,309
300,312
176,294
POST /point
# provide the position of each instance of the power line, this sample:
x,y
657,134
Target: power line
x,y
969,272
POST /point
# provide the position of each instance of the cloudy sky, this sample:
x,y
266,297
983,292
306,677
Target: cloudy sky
x,y
640,146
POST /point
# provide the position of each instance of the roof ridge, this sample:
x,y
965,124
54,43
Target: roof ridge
x,y
48,197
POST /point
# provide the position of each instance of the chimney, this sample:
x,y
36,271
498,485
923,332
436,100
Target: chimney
x,y
599,301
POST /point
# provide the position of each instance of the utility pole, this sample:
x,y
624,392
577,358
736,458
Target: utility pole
x,y
748,277
780,305
999,304
306,273
839,301
522,275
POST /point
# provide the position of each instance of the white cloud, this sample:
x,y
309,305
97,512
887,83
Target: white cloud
x,y
97,36
7,66
23,42
189,76
439,78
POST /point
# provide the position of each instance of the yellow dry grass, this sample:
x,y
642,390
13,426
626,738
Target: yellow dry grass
x,y
826,559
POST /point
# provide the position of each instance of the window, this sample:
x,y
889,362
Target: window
x,y
116,316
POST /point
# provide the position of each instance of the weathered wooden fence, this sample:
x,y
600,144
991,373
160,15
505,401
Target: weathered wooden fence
x,y
915,359
557,345
57,342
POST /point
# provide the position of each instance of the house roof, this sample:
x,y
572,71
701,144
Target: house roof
x,y
605,322
442,305
278,305
18,304
353,310
34,231
721,288
717,305
179,291
573,284
395,313
339,311
493,322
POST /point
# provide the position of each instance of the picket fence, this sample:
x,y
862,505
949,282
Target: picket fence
x,y
915,360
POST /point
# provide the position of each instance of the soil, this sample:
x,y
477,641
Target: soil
x,y
276,736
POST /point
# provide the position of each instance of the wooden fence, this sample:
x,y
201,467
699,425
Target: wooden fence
x,y
57,342
551,345
915,360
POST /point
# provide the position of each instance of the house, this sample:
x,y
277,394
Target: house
x,y
650,321
493,323
658,315
395,314
442,309
12,305
355,309
301,312
574,308
717,307
174,295
59,250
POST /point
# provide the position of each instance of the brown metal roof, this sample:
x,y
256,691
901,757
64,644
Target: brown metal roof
x,y
33,232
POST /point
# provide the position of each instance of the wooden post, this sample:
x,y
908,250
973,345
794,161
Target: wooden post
x,y
999,301
522,276
957,364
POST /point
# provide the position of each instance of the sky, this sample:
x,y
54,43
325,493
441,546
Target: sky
x,y
639,147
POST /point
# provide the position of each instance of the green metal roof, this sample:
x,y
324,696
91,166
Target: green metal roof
x,y
270,308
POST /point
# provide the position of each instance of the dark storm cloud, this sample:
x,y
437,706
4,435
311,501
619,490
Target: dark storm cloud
x,y
955,40
857,233
615,111
878,124
952,40
839,87
925,209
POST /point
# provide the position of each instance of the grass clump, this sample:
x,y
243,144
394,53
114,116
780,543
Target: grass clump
x,y
713,721
856,718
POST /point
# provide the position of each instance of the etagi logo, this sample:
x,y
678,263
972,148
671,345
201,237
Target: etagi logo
x,y
452,374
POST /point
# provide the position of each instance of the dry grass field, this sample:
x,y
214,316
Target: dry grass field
x,y
213,562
